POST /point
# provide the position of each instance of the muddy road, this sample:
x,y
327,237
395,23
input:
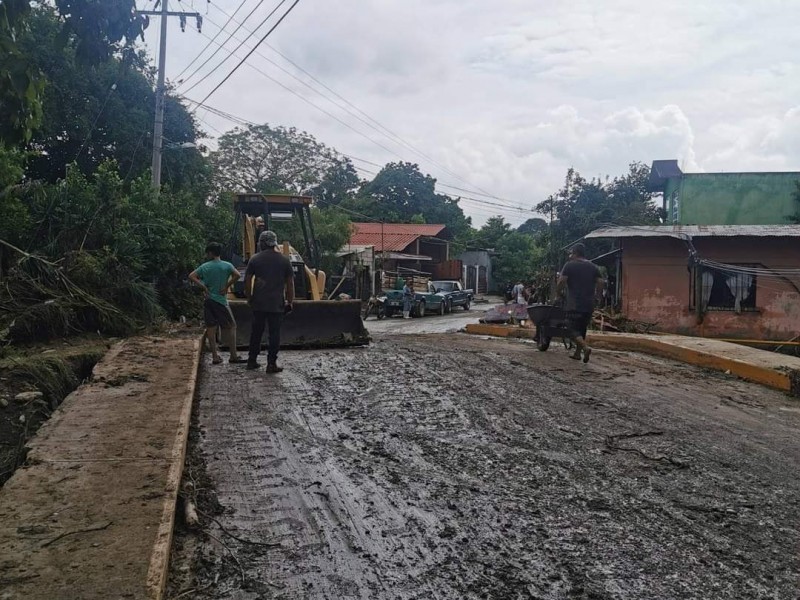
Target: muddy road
x,y
452,467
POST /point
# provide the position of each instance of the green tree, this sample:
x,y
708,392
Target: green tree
x,y
492,232
99,112
267,159
94,29
534,226
339,184
401,193
583,205
517,258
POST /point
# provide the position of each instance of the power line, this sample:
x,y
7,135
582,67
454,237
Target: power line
x,y
378,127
249,54
221,29
468,199
222,45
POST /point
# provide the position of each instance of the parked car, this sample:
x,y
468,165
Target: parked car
x,y
453,294
424,303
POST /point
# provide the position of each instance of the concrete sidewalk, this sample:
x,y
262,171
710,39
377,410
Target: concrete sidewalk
x,y
91,514
767,368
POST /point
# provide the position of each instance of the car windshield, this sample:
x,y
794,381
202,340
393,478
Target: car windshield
x,y
444,286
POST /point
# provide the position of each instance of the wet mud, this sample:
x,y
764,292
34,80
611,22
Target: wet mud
x,y
453,467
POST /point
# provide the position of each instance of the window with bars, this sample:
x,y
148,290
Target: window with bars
x,y
724,289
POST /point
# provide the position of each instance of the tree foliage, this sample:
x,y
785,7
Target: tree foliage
x,y
583,205
98,112
401,193
267,159
534,226
93,29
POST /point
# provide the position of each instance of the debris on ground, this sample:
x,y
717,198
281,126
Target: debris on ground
x,y
511,314
605,320
463,469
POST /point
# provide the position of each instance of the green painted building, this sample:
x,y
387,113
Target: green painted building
x,y
724,198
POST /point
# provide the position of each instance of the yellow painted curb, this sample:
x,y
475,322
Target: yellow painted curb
x,y
757,374
159,560
763,375
500,330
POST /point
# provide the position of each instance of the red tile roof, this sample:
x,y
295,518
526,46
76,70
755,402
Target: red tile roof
x,y
391,237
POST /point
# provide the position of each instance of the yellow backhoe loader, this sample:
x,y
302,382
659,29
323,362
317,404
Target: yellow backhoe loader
x,y
315,321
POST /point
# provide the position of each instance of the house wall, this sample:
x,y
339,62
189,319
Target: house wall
x,y
479,258
656,287
731,198
437,250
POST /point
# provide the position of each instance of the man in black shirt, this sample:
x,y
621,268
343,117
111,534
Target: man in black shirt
x,y
583,281
269,287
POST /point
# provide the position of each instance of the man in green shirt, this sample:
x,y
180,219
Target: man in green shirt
x,y
216,277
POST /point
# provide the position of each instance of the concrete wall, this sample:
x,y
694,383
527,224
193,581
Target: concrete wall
x,y
731,198
479,258
656,287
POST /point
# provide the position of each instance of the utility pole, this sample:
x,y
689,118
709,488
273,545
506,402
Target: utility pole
x,y
158,130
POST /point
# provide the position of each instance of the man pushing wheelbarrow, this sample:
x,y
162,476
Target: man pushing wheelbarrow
x,y
583,283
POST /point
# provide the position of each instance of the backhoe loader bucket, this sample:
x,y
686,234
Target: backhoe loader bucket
x,y
312,324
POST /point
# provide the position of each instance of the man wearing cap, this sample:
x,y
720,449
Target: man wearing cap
x,y
269,287
583,282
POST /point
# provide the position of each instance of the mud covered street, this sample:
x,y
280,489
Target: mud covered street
x,y
452,467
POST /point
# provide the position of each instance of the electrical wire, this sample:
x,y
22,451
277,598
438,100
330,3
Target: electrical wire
x,y
468,199
97,118
222,45
378,127
250,53
206,47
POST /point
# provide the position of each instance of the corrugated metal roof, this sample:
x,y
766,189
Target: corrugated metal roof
x,y
695,231
391,237
354,249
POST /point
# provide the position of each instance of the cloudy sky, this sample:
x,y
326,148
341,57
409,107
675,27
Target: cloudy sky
x,y
503,96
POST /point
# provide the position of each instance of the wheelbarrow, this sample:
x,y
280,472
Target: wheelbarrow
x,y
551,322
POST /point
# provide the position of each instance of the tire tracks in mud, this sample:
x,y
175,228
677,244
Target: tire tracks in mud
x,y
447,467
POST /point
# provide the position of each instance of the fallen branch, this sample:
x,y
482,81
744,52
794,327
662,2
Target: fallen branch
x,y
231,552
98,527
237,538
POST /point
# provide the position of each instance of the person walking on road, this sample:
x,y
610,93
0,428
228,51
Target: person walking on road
x,y
583,282
269,287
408,297
215,277
518,293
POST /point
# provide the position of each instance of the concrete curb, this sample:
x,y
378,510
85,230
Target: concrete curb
x,y
780,378
91,513
159,560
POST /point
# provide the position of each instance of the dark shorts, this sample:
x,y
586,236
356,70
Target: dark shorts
x,y
217,315
578,322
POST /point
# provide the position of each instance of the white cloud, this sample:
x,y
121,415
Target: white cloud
x,y
509,95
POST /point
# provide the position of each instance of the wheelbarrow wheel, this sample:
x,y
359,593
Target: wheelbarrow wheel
x,y
542,341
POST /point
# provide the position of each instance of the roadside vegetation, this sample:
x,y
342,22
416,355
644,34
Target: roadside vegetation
x,y
87,245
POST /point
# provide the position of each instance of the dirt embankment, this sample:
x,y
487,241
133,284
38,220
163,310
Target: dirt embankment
x,y
33,383
452,467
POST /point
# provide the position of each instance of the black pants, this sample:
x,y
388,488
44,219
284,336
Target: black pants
x,y
273,322
578,323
